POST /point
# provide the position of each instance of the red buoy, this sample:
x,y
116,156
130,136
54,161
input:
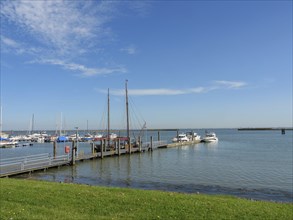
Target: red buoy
x,y
67,149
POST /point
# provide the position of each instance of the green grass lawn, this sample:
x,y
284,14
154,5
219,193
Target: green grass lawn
x,y
28,199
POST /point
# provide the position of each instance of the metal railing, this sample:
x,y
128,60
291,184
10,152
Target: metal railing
x,y
32,162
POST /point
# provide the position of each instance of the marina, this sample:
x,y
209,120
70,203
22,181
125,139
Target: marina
x,y
250,164
106,147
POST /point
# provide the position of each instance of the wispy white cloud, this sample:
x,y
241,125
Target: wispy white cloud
x,y
9,42
62,30
129,50
11,45
86,71
231,84
63,25
170,92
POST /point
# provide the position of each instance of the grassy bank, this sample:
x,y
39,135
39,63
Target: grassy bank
x,y
27,199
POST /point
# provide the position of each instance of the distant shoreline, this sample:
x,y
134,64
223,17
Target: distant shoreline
x,y
263,129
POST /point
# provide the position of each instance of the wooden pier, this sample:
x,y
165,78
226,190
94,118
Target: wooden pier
x,y
28,164
176,144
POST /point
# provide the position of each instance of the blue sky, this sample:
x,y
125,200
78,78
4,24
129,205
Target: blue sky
x,y
189,64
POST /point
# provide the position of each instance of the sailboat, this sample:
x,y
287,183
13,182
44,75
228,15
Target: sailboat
x,y
5,142
109,136
125,141
137,140
61,137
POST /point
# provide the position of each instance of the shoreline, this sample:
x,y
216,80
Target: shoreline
x,y
21,199
264,129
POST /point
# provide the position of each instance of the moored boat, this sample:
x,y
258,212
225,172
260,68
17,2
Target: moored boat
x,y
210,137
193,136
181,138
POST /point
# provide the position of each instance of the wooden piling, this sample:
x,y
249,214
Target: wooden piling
x,y
55,149
139,143
115,146
129,147
93,147
73,150
159,138
151,143
118,147
103,141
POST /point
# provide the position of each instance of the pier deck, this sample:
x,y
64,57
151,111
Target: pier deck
x,y
28,164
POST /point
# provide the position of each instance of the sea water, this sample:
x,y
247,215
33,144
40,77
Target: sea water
x,y
250,164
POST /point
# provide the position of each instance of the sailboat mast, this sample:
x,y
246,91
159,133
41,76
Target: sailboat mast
x,y
33,123
87,126
127,112
60,132
108,117
1,121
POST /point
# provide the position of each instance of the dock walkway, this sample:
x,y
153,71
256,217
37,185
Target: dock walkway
x,y
27,164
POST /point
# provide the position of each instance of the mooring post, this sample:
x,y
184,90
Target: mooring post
x,y
283,131
130,148
118,146
139,143
55,149
129,145
103,141
151,143
115,146
159,138
73,153
93,147
177,133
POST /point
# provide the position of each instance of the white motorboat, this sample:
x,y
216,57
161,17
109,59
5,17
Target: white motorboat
x,y
112,136
193,136
98,136
8,144
210,137
181,138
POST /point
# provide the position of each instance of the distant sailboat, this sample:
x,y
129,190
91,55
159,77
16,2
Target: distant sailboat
x,y
62,137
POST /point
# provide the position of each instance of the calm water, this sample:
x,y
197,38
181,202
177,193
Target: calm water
x,y
251,164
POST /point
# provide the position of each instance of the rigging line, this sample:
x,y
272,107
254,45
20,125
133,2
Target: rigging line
x,y
136,117
137,109
102,121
